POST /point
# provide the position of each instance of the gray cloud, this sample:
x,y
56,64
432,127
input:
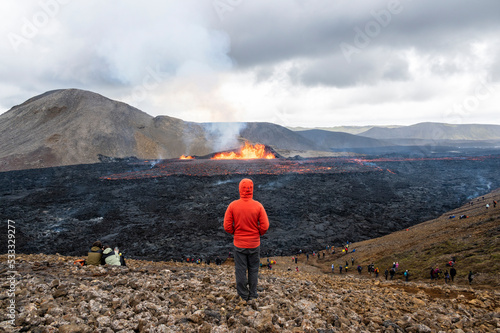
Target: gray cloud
x,y
195,60
102,45
268,34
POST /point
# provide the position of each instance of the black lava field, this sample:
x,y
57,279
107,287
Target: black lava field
x,y
173,209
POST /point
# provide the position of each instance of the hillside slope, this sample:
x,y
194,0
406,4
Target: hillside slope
x,y
473,241
339,140
179,297
64,127
71,126
436,132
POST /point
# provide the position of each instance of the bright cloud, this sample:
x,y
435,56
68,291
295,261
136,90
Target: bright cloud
x,y
295,63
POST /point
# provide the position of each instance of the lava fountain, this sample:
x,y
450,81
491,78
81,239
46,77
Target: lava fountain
x,y
246,152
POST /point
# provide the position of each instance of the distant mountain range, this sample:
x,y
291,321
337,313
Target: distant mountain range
x,y
71,126
436,132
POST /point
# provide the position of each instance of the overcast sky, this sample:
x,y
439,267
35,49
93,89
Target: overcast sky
x,y
293,62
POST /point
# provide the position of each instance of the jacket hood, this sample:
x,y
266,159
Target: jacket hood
x,y
95,248
246,189
108,250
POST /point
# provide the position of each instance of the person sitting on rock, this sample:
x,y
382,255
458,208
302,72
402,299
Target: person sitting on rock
x,y
95,254
110,257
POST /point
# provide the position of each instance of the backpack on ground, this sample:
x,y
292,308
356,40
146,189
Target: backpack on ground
x,y
79,262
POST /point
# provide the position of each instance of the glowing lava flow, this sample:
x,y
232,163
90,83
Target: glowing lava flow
x,y
184,157
247,152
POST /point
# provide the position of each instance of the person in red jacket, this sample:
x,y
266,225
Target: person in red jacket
x,y
246,220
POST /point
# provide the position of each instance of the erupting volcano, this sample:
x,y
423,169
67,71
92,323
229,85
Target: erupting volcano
x,y
246,152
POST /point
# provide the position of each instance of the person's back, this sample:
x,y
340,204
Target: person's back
x,y
110,257
95,254
453,272
246,220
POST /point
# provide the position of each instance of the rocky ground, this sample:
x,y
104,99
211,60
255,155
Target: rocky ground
x,y
53,295
63,210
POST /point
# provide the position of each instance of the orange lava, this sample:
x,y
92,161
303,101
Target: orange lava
x,y
247,152
184,157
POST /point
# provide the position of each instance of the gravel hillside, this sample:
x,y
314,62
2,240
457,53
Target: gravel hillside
x,y
54,295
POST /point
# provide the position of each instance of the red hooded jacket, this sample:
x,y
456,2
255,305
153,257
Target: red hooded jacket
x,y
246,218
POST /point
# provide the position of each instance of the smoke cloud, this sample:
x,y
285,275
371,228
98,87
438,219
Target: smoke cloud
x,y
224,135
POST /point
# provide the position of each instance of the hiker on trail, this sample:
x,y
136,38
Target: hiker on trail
x,y
346,263
453,272
246,220
406,274
386,273
432,273
470,277
494,204
376,272
112,257
307,255
95,254
352,260
360,269
296,259
437,271
392,273
487,206
397,265
333,268
446,276
340,269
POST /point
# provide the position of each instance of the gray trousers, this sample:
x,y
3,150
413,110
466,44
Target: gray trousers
x,y
247,260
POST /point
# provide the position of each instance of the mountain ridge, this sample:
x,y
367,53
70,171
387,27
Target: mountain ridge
x,y
436,131
72,126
